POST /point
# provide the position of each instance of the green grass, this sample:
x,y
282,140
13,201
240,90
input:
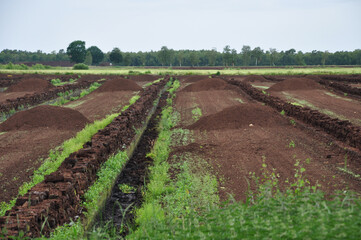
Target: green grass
x,y
165,198
64,97
155,71
196,113
300,211
151,83
260,87
58,82
337,96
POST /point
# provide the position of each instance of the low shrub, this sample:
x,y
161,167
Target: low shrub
x,y
80,66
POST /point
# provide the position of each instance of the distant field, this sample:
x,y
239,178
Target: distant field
x,y
163,71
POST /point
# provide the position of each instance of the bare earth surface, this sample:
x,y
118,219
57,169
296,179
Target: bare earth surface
x,y
235,149
327,102
21,151
96,106
12,95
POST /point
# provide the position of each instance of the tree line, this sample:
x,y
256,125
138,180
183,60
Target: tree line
x,y
78,53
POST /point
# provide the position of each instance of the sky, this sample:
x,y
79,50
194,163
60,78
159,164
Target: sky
x,y
145,25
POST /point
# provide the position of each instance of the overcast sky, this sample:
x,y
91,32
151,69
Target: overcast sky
x,y
144,25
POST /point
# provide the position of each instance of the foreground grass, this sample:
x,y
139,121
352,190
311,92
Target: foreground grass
x,y
300,211
57,156
164,71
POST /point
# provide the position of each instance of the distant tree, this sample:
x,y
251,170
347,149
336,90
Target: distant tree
x,y
273,56
164,56
142,58
325,55
257,54
179,57
116,56
127,59
234,56
227,55
299,58
194,58
212,56
97,55
246,55
76,51
88,58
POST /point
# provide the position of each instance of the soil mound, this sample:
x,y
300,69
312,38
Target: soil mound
x,y
194,78
207,84
30,85
144,78
236,117
253,78
45,116
119,84
295,84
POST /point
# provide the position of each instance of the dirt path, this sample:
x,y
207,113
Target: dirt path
x,y
234,153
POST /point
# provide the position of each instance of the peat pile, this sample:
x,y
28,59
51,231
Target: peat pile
x,y
57,199
30,85
194,78
45,116
253,78
208,84
294,84
236,117
119,84
342,130
144,78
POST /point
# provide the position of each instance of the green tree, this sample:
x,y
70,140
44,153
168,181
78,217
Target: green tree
x,y
116,56
179,57
246,55
76,51
257,54
227,55
273,56
234,56
212,56
165,56
325,55
194,58
88,58
97,55
127,59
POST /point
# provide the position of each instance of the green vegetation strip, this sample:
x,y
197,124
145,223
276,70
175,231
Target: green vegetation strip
x,y
166,200
57,156
97,194
64,97
58,82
